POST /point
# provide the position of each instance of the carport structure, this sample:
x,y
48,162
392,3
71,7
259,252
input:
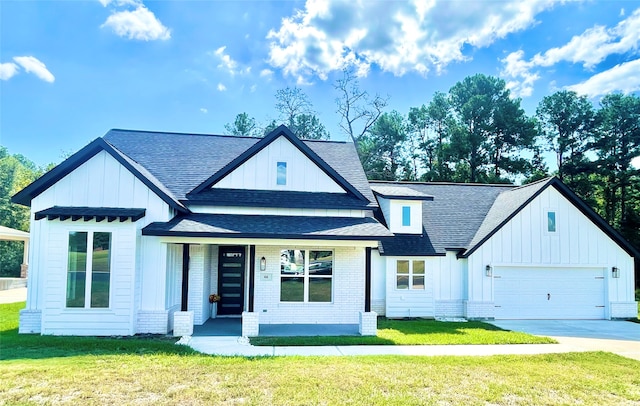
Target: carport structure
x,y
10,234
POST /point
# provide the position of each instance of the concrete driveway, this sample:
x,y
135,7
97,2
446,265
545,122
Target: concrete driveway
x,y
619,337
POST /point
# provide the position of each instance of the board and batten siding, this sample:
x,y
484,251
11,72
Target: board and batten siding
x,y
99,182
378,282
260,172
525,242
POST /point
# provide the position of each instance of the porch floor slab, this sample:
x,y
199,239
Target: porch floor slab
x,y
232,327
308,330
219,327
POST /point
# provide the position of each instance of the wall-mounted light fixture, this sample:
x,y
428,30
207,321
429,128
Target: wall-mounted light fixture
x,y
487,270
615,272
263,264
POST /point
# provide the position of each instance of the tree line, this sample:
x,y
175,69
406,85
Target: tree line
x,y
477,132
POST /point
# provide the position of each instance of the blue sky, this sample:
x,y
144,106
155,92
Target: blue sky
x,y
71,70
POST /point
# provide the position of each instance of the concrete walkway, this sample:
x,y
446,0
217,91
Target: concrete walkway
x,y
618,337
229,346
13,295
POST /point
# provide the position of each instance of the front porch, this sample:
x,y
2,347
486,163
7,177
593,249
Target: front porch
x,y
232,327
279,288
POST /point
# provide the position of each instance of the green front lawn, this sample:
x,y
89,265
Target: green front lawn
x,y
418,332
72,370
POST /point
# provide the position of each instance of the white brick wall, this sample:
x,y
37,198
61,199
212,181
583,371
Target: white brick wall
x,y
347,285
30,321
368,324
197,260
479,310
183,323
152,322
378,306
624,310
250,324
449,308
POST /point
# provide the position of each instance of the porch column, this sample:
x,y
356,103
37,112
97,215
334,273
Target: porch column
x,y
185,278
24,267
367,280
252,274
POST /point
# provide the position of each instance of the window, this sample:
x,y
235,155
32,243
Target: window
x,y
410,274
551,221
406,216
281,173
306,275
88,269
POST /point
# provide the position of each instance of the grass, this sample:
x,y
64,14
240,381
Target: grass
x,y
417,332
71,370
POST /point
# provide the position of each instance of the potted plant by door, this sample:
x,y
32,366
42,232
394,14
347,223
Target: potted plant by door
x,y
214,298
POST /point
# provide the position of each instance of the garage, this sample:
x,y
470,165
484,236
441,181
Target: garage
x,y
549,293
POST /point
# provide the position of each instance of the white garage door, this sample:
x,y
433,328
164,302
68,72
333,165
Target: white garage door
x,y
549,293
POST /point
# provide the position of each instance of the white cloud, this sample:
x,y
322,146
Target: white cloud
x,y
140,24
635,162
589,49
399,37
221,87
253,88
33,65
227,63
203,110
624,77
8,70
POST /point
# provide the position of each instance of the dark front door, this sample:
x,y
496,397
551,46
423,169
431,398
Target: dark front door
x,y
231,266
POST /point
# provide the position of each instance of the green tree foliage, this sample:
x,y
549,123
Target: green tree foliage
x,y
432,126
617,142
491,130
381,147
16,172
243,125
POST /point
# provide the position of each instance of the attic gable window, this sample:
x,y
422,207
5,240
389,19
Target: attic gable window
x,y
551,221
406,216
281,173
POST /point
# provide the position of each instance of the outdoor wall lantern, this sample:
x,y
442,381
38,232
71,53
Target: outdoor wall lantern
x,y
615,272
487,270
263,264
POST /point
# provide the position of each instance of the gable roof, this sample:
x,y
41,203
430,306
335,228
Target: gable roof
x,y
510,203
47,180
183,162
464,216
281,131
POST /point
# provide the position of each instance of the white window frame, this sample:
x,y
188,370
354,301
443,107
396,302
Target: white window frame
x,y
546,221
306,276
89,270
411,275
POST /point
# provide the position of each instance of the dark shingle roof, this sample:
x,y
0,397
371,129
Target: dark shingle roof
x,y
399,192
261,226
271,198
182,162
450,221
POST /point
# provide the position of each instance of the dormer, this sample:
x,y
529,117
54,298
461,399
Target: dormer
x,y
401,207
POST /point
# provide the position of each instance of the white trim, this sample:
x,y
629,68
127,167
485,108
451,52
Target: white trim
x,y
257,241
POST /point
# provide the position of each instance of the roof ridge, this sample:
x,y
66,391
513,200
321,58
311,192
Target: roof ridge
x,y
537,182
124,130
409,183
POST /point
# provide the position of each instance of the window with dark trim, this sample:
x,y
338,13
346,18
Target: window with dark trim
x,y
88,270
306,275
